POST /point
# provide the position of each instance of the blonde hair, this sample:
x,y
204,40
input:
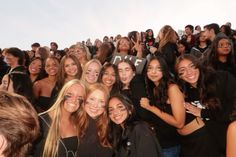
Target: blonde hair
x,y
53,136
167,34
86,68
102,120
85,49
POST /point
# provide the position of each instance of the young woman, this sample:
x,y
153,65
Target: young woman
x,y
109,76
165,101
91,71
93,123
133,86
82,54
59,124
128,136
36,69
42,89
69,69
221,56
210,96
167,46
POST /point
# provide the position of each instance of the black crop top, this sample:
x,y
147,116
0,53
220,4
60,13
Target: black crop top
x,y
193,97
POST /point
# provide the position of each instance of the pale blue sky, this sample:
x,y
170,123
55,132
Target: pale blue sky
x,y
24,22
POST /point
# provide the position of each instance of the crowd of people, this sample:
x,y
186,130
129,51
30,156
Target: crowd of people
x,y
82,102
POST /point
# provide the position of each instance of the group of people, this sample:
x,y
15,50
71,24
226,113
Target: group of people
x,y
181,104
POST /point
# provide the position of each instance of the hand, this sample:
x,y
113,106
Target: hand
x,y
137,45
144,102
152,49
192,109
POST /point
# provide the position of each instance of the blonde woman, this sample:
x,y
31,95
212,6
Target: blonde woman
x,y
167,46
91,71
59,136
82,53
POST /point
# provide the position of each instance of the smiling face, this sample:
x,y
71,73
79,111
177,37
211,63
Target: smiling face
x,y
91,75
117,111
51,66
35,67
70,67
154,72
95,103
74,97
109,77
188,72
124,45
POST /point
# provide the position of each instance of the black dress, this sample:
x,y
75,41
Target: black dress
x,y
67,146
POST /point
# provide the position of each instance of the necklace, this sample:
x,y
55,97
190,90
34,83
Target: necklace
x,y
68,151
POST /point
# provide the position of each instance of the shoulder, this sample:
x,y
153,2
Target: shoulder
x,y
232,127
173,87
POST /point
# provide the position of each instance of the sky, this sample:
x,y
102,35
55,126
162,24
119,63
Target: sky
x,y
66,22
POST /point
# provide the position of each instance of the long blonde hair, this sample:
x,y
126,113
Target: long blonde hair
x,y
102,120
166,34
53,136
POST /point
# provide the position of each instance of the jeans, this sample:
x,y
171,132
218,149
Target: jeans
x,y
172,151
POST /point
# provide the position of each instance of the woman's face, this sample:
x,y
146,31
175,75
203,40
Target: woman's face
x,y
188,72
79,53
11,60
181,48
117,111
154,72
223,47
5,82
51,67
70,67
125,72
109,77
35,66
91,75
124,45
95,103
74,97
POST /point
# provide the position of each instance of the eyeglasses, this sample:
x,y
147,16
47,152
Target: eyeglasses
x,y
70,98
98,103
184,70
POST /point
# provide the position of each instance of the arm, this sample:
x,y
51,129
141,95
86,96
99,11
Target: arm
x,y
231,140
177,105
